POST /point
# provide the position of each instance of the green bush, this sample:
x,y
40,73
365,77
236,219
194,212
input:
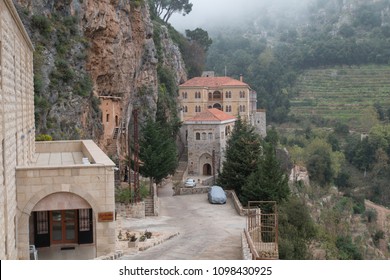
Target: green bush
x,y
126,195
43,137
379,234
42,24
347,249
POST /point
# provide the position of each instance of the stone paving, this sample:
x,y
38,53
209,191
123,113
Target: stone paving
x,y
188,227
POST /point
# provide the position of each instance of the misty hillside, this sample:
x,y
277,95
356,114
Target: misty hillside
x,y
321,71
272,49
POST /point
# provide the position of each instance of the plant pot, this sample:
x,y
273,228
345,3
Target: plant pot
x,y
133,244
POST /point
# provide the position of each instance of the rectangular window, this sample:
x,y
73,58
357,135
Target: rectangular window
x,y
42,222
84,220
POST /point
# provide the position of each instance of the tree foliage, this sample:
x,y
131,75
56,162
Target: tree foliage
x,y
200,36
268,182
158,154
242,157
296,230
166,8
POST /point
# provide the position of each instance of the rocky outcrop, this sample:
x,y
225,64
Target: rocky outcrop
x,y
113,53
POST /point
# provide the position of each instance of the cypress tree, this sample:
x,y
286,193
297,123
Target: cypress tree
x,y
243,151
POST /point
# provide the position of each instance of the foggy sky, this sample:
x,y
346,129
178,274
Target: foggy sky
x,y
207,13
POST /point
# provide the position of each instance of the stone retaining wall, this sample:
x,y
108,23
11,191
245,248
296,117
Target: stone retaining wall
x,y
196,190
136,210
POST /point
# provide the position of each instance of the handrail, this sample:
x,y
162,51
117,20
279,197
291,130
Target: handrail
x,y
252,248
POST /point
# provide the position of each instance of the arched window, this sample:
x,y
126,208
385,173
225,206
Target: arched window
x,y
217,106
197,136
203,135
116,121
107,117
217,95
210,136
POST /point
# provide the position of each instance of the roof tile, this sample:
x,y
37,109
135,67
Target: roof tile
x,y
212,115
213,82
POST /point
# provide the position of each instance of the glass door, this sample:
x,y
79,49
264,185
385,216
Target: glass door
x,y
63,226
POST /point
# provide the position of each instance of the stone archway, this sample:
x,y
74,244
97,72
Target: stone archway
x,y
205,165
55,197
207,170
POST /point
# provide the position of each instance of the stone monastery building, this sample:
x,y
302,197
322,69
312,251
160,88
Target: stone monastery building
x,y
58,196
210,106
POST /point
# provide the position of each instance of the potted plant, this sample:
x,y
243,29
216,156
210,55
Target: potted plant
x,y
148,234
133,241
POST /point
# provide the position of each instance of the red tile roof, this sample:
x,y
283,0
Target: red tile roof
x,y
212,115
213,82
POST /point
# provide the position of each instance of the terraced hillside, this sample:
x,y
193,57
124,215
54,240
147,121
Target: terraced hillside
x,y
343,93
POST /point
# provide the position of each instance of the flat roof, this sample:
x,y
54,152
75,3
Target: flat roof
x,y
65,158
78,153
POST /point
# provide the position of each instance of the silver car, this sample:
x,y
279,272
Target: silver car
x,y
190,183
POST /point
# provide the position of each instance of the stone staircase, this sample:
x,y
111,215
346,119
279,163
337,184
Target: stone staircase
x,y
182,168
149,206
115,133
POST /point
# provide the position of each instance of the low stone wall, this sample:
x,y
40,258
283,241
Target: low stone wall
x,y
196,190
208,181
136,210
237,204
246,252
113,256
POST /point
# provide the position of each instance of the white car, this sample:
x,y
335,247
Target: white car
x,y
190,183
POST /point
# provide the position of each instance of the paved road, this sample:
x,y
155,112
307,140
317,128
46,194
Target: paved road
x,y
207,232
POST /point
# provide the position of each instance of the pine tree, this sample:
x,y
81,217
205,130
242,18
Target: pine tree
x,y
268,182
241,158
158,152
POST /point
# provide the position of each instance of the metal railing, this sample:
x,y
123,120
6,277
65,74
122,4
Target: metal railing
x,y
262,230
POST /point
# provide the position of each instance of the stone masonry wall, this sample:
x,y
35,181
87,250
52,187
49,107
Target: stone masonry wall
x,y
17,119
92,183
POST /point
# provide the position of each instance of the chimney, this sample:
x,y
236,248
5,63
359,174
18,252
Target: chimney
x,y
241,79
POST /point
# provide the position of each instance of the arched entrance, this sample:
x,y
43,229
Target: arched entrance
x,y
207,170
62,219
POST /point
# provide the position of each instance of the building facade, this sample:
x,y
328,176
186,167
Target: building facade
x,y
224,93
207,134
55,196
209,108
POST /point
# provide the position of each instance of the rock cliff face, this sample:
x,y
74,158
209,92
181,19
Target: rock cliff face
x,y
93,48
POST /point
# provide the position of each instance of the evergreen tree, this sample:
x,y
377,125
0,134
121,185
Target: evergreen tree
x,y
158,152
268,182
241,158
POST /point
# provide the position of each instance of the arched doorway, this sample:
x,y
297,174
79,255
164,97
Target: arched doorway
x,y
207,170
217,106
61,218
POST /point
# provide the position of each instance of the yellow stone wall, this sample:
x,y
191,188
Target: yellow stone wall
x,y
187,98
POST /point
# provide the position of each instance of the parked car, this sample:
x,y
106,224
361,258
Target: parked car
x,y
217,195
190,183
